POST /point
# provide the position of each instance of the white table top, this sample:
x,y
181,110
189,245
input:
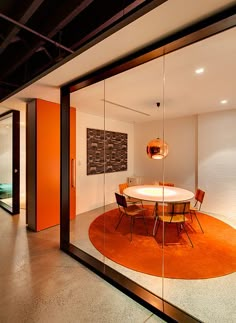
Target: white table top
x,y
156,193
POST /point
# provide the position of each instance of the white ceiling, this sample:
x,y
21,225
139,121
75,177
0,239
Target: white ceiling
x,y
182,93
170,80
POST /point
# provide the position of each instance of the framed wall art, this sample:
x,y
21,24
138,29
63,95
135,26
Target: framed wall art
x,y
106,151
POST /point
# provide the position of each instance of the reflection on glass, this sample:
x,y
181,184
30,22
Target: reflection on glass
x,y
202,152
6,159
90,139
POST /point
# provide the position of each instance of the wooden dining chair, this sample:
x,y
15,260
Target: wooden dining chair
x,y
163,206
176,214
199,197
129,200
166,184
132,211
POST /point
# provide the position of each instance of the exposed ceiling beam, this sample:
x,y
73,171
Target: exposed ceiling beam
x,y
126,11
69,17
36,33
44,25
9,84
23,20
70,11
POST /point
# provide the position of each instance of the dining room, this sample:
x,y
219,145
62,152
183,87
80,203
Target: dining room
x,y
195,116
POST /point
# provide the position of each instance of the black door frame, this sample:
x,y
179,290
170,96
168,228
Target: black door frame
x,y
203,29
15,208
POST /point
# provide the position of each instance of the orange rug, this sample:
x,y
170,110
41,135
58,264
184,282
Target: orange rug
x,y
213,255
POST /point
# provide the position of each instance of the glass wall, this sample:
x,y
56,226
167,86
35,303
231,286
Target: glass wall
x,y
90,150
132,105
185,258
199,118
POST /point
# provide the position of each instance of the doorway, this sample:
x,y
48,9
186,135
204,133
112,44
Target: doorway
x,y
10,161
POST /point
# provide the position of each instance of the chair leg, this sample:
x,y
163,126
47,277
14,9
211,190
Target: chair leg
x,y
165,228
154,232
177,228
191,215
198,220
145,224
155,215
188,235
131,227
119,221
155,210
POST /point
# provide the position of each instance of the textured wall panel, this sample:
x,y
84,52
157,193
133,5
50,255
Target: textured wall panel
x,y
106,151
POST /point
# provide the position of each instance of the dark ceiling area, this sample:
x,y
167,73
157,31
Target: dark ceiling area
x,y
36,35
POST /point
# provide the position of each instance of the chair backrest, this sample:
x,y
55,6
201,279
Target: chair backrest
x,y
121,200
122,187
166,184
199,197
179,208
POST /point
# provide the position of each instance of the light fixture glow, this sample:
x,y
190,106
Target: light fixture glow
x,y
199,70
156,191
157,149
224,101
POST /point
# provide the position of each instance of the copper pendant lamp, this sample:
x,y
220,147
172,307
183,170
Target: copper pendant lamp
x,y
157,148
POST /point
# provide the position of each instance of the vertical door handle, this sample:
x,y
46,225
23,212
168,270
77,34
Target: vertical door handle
x,y
73,179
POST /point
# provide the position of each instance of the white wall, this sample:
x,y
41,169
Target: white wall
x,y
217,162
90,192
215,165
179,165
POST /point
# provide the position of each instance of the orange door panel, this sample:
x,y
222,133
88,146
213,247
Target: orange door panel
x,y
48,164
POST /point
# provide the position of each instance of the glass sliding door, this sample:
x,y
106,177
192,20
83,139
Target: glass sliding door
x,y
89,164
133,117
119,112
9,161
200,257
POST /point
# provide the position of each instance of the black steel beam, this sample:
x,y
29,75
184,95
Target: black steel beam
x,y
23,20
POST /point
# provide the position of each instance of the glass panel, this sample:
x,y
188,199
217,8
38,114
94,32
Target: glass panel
x,y
134,116
89,103
200,129
6,149
196,117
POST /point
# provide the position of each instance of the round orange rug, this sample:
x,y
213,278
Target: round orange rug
x,y
213,254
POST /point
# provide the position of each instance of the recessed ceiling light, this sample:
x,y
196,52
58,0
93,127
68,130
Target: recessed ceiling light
x,y
224,101
199,70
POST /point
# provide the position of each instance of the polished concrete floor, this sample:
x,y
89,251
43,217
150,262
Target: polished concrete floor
x,y
39,283
209,300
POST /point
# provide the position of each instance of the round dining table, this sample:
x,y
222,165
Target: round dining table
x,y
158,194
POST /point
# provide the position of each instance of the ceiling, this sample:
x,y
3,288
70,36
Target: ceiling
x,y
139,89
35,35
171,80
